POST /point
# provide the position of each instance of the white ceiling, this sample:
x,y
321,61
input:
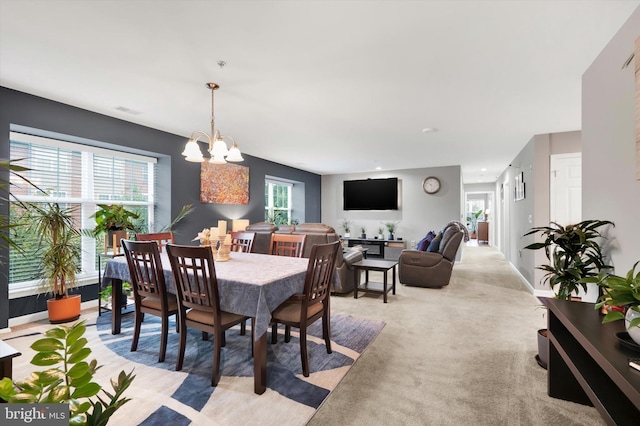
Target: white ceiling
x,y
325,86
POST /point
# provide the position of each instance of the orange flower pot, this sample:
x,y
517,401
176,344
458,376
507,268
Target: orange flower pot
x,y
64,310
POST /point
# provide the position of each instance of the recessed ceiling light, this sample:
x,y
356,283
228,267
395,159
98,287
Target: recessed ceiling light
x,y
429,130
484,169
378,168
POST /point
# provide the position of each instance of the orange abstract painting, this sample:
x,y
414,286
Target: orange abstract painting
x,y
224,183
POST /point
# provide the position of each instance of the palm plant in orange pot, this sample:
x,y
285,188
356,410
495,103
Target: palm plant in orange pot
x,y
59,256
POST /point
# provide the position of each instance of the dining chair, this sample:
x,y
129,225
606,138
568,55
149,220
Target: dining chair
x,y
303,309
198,299
242,241
149,289
162,238
287,244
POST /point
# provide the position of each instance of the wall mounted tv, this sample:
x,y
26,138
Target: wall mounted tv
x,y
371,194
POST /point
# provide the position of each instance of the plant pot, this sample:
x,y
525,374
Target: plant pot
x,y
634,332
543,348
363,236
64,310
114,236
391,237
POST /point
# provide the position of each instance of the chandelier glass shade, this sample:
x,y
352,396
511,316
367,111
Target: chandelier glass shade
x,y
217,147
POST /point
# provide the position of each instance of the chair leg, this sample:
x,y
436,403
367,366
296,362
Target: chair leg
x,y
205,336
274,333
326,326
243,328
136,330
303,352
177,323
183,342
287,333
163,338
217,348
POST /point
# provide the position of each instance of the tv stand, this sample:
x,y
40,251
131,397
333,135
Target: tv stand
x,y
378,249
587,364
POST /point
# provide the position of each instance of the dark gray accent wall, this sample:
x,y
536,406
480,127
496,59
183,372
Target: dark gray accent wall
x,y
179,180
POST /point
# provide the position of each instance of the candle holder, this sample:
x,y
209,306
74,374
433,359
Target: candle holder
x,y
223,252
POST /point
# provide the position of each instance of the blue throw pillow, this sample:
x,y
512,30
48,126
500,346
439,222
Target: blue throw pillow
x,y
423,244
434,246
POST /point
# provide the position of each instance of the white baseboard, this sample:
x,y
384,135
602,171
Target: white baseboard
x,y
39,316
522,278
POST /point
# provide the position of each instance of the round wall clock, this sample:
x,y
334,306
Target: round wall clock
x,y
431,185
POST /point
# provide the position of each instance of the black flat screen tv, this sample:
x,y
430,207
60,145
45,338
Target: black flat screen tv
x,y
371,194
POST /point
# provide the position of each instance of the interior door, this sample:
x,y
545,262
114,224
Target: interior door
x,y
566,200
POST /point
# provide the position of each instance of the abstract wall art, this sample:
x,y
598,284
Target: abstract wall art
x,y
224,183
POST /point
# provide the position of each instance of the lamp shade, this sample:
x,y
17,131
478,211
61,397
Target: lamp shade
x,y
192,152
234,154
239,225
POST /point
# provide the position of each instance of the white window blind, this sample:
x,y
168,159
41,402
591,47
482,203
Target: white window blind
x,y
80,176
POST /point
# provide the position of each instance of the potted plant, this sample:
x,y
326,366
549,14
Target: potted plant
x,y
391,227
346,225
363,232
59,257
380,235
574,254
113,220
66,378
472,223
106,295
622,296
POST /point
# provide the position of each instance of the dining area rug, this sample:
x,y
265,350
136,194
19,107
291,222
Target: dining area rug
x,y
161,395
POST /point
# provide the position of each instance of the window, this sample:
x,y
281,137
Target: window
x,y
77,176
277,202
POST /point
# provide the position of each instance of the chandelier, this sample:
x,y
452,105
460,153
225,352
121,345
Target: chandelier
x,y
220,154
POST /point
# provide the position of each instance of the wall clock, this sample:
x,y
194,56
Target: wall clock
x,y
431,185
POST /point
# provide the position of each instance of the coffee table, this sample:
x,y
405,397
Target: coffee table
x,y
383,266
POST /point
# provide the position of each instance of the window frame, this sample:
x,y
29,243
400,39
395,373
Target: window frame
x,y
87,201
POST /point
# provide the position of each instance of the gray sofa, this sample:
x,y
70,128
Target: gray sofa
x,y
317,233
426,269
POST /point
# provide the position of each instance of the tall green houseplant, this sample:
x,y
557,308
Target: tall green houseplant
x,y
573,253
59,250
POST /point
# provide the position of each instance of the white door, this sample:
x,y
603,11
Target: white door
x,y
566,188
566,200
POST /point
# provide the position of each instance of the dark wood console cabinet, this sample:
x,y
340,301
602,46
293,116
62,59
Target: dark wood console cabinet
x,y
588,365
379,249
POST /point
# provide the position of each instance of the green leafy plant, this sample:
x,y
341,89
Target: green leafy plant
x,y
59,250
346,225
391,226
573,252
113,217
184,211
622,292
68,378
6,227
472,220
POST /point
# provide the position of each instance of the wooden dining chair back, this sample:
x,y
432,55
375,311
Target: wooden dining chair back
x,y
301,310
162,238
287,244
198,299
149,289
242,241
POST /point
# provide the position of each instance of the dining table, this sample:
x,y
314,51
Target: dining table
x,y
249,284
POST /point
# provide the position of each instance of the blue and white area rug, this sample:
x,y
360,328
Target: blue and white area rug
x,y
161,395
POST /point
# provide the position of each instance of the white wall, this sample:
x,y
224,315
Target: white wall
x,y
610,189
418,212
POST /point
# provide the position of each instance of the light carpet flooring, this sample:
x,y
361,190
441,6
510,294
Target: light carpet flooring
x,y
461,355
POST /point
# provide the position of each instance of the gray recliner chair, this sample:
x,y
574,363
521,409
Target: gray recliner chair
x,y
426,269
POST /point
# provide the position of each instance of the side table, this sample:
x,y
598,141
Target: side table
x,y
101,256
383,266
